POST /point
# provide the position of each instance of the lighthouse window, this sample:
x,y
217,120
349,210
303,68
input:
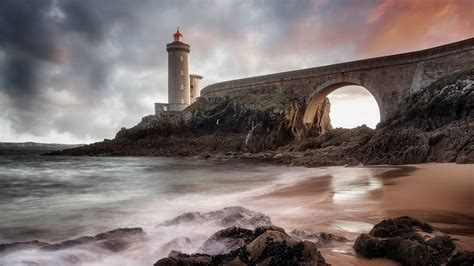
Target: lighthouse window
x,y
192,87
182,100
181,58
182,72
182,87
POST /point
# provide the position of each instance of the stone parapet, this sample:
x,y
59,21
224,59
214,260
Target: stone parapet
x,y
359,65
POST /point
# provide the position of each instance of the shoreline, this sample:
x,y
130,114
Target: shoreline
x,y
420,191
348,201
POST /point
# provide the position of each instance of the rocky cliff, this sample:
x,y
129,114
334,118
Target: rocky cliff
x,y
251,122
432,125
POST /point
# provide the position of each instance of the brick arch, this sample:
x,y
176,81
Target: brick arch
x,y
322,91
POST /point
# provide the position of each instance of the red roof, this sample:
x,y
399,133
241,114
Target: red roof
x,y
178,33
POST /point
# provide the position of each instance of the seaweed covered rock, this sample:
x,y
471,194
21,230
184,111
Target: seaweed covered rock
x,y
253,121
263,246
433,125
405,240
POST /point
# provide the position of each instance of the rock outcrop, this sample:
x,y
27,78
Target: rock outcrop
x,y
263,246
406,240
229,216
114,240
34,244
321,239
251,122
434,124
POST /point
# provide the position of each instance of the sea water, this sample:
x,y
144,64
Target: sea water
x,y
52,199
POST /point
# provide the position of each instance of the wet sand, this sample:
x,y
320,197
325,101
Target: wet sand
x,y
349,201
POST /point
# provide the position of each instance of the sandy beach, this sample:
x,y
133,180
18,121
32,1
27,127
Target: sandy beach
x,y
349,201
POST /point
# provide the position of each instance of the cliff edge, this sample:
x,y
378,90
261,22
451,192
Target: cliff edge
x,y
249,122
432,125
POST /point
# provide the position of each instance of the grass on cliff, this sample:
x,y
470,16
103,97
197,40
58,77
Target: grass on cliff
x,y
252,99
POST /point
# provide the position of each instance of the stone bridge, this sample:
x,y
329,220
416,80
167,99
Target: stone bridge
x,y
389,78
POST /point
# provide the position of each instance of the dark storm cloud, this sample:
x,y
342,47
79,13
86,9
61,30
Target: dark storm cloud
x,y
25,27
85,68
38,36
25,37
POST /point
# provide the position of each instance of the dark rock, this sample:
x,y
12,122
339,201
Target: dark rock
x,y
185,218
177,258
397,227
114,240
34,244
432,125
179,243
405,240
401,146
268,245
321,239
115,244
462,258
226,240
230,216
69,243
326,239
253,121
119,239
121,233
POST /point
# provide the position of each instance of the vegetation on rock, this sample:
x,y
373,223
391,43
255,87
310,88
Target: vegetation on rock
x,y
432,125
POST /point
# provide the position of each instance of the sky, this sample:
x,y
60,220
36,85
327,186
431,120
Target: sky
x,y
76,71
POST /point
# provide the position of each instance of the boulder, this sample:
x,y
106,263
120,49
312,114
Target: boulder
x,y
226,240
230,216
407,241
268,245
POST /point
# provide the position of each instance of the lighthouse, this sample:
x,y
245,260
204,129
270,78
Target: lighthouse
x,y
183,88
179,93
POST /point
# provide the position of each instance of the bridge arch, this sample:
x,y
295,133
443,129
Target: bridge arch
x,y
318,95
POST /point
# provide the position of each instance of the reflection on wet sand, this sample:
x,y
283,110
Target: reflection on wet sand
x,y
349,201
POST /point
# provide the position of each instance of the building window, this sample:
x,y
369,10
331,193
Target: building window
x,y
182,100
192,87
181,58
181,72
182,87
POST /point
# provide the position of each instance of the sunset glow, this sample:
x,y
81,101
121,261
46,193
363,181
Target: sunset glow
x,y
89,73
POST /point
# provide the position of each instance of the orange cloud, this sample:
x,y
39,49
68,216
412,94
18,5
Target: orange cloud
x,y
402,25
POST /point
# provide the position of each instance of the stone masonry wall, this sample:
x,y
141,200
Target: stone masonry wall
x,y
388,78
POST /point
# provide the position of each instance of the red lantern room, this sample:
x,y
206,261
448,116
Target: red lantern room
x,y
178,37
